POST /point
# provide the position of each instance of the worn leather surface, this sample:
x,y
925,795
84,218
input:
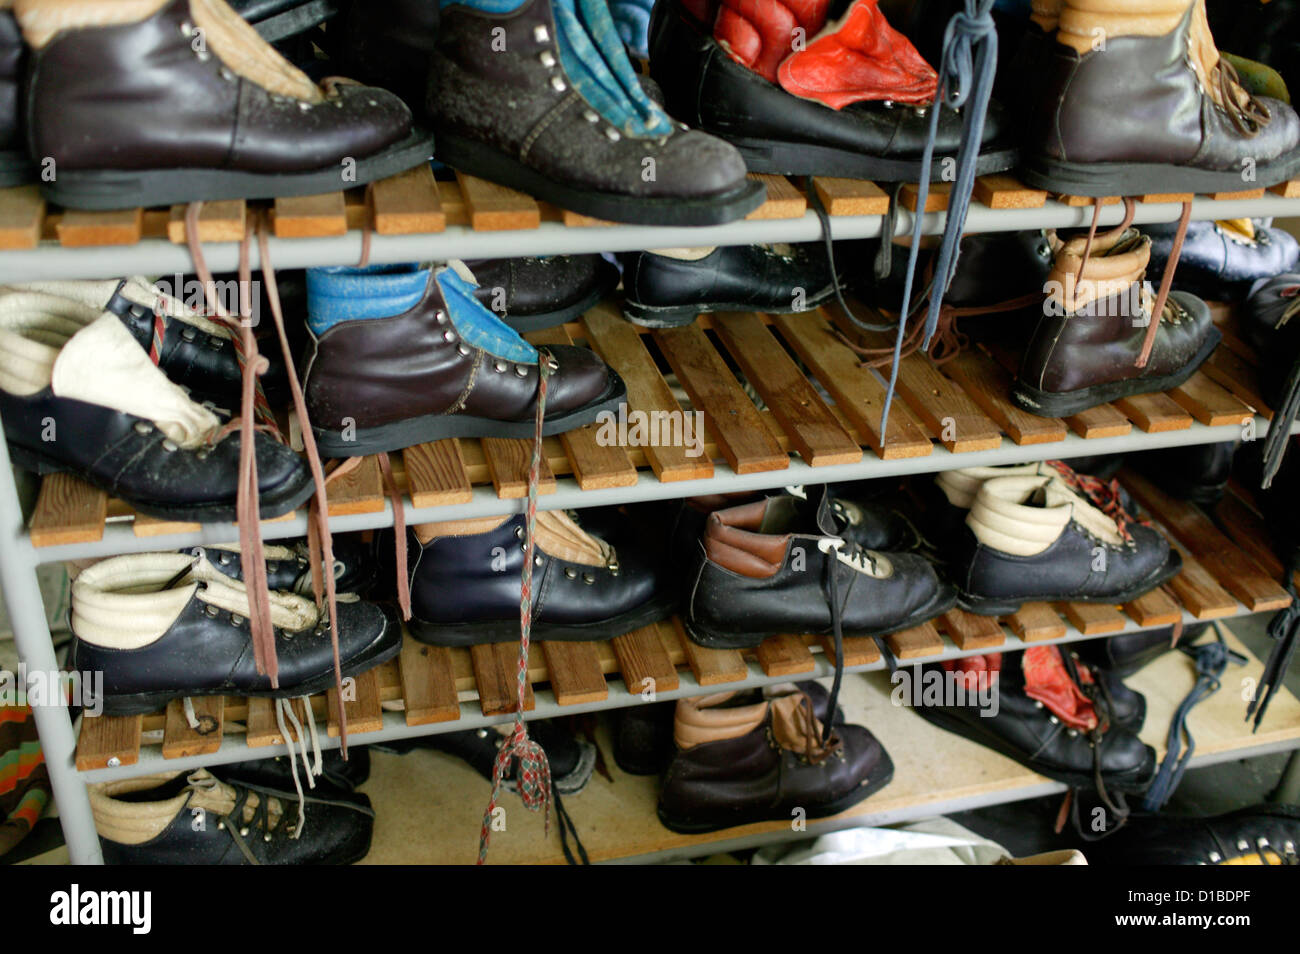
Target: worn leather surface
x,y
294,574
12,56
506,99
105,445
1218,264
483,571
703,87
722,783
479,747
379,370
1063,571
756,276
202,652
534,286
137,96
993,267
1067,353
276,773
1140,101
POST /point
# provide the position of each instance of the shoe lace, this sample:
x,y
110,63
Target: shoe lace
x,y
1247,113
818,747
534,773
1105,495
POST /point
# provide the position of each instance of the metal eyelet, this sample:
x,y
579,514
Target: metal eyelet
x,y
202,453
462,350
221,826
142,427
244,831
236,619
1038,704
267,836
211,611
500,367
612,134
541,34
170,445
227,74
1215,857
570,573
547,58
521,371
187,29
449,336
189,334
203,55
537,561
224,557
558,84
304,106
591,116
215,343
589,578
1243,844
440,317
519,533
1053,720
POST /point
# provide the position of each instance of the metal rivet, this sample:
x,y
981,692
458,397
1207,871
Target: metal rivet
x,y
224,557
1038,704
114,762
541,34
521,371
235,619
463,350
1054,720
449,336
571,573
187,29
267,836
519,533
558,84
440,317
227,75
1215,857
203,56
589,578
304,106
547,58
244,831
590,115
189,334
142,428
211,611
202,453
500,367
537,561
1243,844
221,826
170,445
481,733
612,134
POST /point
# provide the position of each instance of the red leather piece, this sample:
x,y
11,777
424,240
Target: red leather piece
x,y
861,58
1048,681
760,34
976,672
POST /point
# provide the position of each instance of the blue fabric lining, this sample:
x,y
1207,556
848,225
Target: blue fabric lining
x,y
478,326
344,293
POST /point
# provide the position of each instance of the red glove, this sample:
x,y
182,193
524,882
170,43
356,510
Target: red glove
x,y
1048,681
761,33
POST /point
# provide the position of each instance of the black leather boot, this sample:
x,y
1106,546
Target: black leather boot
x,y
190,103
387,43
288,564
534,293
514,100
15,166
161,626
1128,653
1196,472
338,775
1260,835
663,291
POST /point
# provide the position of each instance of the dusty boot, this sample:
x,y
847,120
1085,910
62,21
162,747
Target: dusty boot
x,y
1136,100
740,762
1086,348
174,819
167,101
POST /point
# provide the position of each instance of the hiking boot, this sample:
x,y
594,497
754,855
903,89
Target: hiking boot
x,y
161,626
740,762
338,775
1259,835
1221,260
402,355
288,564
172,101
534,293
1088,344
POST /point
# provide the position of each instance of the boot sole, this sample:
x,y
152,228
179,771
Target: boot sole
x,y
779,157
942,602
435,427
1066,403
496,166
1127,782
123,189
1005,606
507,631
841,804
138,703
270,506
1102,179
674,316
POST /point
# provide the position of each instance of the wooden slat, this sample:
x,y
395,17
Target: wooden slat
x,y
495,208
179,740
783,201
647,391
428,687
988,386
360,490
435,474
223,221
363,711
261,724
81,229
936,199
970,631
597,462
408,203
22,210
1198,591
1229,370
1077,201
68,510
495,675
915,643
814,431
1034,622
105,738
858,394
784,655
1287,190
1093,619
509,459
858,650
1007,192
1239,194
644,663
711,666
731,418
311,216
1100,421
1154,413
575,673
1156,608
850,196
1210,403
1155,198
1236,571
1247,529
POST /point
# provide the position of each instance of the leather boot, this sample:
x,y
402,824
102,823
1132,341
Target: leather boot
x,y
1196,472
161,626
1220,261
1036,539
535,293
1137,100
740,763
338,777
1259,835
288,564
402,355
15,166
719,67
541,97
171,101
1128,653
196,819
583,588
1086,348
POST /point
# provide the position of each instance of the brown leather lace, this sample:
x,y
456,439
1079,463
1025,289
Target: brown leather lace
x,y
1103,494
815,749
1248,118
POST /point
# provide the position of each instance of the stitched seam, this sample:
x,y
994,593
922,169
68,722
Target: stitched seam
x,y
459,404
549,117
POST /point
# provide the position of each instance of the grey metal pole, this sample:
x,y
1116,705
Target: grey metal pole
x,y
22,594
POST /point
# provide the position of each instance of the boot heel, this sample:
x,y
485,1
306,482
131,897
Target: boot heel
x,y
659,317
32,462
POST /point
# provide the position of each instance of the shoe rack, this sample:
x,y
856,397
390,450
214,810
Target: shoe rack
x,y
789,405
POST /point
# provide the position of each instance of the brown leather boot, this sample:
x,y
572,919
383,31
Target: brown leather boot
x,y
1085,349
1136,99
741,759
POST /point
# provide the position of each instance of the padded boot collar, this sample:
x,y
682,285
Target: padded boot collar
x,y
710,719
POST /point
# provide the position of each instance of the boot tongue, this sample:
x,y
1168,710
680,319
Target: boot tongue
x,y
713,718
213,795
1057,493
796,727
559,536
1047,681
760,34
476,324
1115,261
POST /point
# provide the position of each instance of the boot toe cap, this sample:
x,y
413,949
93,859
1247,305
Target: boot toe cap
x,y
694,163
581,379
